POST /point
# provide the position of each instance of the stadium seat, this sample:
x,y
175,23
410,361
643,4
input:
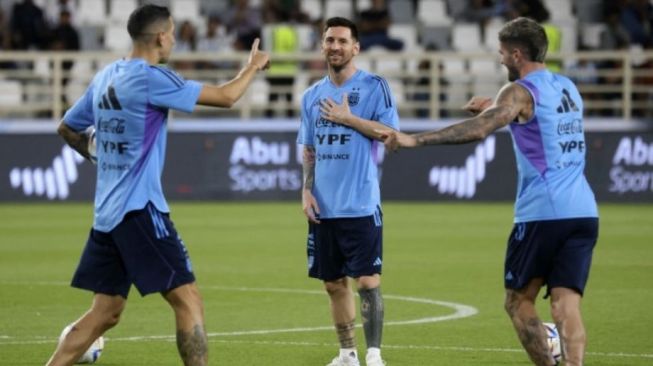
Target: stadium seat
x,y
119,10
299,87
402,11
491,36
433,13
313,8
466,37
405,32
185,10
91,12
258,93
116,37
435,38
305,37
363,5
338,8
591,34
11,93
560,10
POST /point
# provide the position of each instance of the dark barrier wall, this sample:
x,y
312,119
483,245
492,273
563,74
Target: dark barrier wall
x,y
266,166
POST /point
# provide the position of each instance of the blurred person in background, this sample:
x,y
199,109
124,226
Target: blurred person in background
x,y
133,240
556,217
374,25
29,30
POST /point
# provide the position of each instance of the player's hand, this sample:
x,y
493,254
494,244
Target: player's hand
x,y
332,111
394,140
310,207
257,58
477,105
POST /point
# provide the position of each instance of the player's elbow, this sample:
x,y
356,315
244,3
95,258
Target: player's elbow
x,y
63,130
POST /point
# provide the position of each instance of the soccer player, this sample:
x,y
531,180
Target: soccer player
x,y
133,240
556,218
340,117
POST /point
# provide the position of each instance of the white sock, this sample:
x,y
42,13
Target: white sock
x,y
348,352
373,351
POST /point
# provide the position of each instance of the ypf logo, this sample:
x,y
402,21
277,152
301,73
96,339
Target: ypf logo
x,y
53,181
462,181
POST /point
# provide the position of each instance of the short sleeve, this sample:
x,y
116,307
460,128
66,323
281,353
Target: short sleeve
x,y
385,105
167,89
305,135
80,115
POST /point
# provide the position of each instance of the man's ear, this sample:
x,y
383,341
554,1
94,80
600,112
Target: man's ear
x,y
159,39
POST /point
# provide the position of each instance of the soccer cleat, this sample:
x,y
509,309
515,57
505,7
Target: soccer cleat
x,y
374,360
344,361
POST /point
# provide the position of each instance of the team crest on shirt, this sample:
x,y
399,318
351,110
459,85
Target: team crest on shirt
x,y
353,97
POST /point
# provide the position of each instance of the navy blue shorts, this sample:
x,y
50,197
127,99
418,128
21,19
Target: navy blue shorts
x,y
559,251
144,250
345,247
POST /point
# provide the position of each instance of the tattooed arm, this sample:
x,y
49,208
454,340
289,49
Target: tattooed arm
x,y
513,101
78,141
309,203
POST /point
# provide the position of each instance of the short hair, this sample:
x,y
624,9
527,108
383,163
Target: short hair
x,y
141,18
527,35
342,22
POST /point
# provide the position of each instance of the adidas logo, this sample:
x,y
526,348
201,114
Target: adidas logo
x,y
109,100
509,276
462,181
377,262
566,103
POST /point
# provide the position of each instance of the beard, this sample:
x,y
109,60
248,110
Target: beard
x,y
513,74
338,66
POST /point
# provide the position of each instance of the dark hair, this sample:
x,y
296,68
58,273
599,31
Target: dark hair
x,y
342,22
527,35
143,17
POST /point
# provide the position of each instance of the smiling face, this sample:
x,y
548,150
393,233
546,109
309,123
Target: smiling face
x,y
339,47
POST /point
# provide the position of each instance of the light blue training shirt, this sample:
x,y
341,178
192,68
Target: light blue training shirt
x,y
550,151
128,103
346,175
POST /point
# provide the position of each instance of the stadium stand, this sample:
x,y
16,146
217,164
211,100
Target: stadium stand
x,y
461,52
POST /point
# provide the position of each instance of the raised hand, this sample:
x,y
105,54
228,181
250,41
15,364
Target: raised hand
x,y
258,58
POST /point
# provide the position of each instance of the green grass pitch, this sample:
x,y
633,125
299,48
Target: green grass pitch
x,y
261,309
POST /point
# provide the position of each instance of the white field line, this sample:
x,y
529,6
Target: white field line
x,y
461,311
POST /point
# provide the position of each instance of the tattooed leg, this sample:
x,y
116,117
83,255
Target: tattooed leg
x,y
192,346
189,315
520,306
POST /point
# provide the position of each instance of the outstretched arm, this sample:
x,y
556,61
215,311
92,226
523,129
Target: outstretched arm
x,y
227,94
511,102
309,203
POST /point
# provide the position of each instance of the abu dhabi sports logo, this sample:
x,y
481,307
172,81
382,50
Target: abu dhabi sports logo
x,y
53,181
462,181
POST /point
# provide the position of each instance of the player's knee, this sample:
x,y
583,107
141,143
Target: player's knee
x,y
336,287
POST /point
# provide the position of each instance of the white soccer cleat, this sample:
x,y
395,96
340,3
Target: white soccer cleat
x,y
374,360
344,361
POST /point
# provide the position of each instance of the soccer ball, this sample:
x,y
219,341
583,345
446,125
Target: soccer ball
x,y
92,354
553,339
